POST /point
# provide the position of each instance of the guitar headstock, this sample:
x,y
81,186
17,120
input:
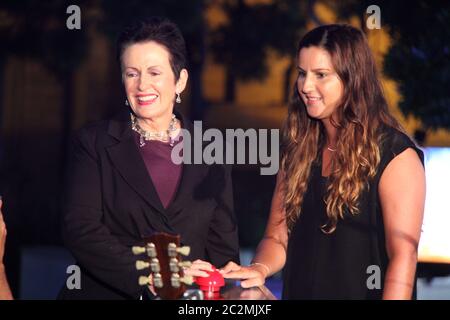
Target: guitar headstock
x,y
163,258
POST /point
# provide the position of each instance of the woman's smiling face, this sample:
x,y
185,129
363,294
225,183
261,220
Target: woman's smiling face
x,y
318,84
149,81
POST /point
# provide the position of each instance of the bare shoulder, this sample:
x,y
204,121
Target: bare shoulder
x,y
405,166
402,192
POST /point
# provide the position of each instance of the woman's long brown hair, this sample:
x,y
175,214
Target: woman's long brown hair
x,y
362,111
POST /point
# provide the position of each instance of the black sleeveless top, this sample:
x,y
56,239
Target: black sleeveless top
x,y
339,265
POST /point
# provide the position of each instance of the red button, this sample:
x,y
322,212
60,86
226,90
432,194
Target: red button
x,y
212,283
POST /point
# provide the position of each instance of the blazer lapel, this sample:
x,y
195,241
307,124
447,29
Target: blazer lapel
x,y
127,160
190,176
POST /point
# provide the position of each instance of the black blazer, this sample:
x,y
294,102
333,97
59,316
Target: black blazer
x,y
111,203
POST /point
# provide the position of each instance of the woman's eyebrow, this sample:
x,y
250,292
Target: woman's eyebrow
x,y
320,69
155,66
315,70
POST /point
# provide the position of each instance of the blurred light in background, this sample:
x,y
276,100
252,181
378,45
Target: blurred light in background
x,y
435,239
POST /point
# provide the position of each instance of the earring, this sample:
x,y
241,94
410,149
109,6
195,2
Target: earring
x,y
178,99
126,102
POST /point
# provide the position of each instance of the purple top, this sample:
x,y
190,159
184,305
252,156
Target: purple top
x,y
164,173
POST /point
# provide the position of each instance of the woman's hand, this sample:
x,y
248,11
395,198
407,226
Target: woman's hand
x,y
253,275
198,269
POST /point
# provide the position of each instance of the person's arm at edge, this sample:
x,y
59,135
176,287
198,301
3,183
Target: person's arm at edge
x,y
402,196
5,291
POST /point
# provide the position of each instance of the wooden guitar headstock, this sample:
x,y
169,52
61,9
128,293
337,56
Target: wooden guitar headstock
x,y
163,257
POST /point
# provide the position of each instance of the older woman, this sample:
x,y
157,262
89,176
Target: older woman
x,y
123,185
348,206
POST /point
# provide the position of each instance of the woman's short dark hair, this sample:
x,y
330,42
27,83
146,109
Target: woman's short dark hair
x,y
160,30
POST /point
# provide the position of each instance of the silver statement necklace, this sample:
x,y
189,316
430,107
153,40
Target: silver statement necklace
x,y
163,136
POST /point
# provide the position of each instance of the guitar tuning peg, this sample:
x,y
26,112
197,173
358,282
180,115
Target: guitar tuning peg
x,y
157,280
154,265
151,250
138,250
173,250
173,265
187,280
140,265
185,264
176,280
143,281
184,250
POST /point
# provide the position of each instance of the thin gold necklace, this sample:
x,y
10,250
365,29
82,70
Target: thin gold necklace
x,y
163,136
